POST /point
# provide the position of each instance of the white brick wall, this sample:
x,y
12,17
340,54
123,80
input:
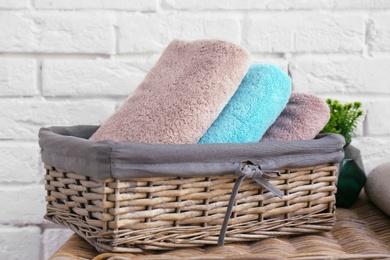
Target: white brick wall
x,y
20,243
303,32
68,62
90,77
40,31
18,77
350,74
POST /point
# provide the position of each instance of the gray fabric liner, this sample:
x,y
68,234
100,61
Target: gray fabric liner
x,y
69,148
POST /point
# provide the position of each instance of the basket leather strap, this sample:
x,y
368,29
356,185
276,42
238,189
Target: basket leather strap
x,y
253,171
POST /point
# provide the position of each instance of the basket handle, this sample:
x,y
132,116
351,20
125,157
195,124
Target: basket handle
x,y
254,172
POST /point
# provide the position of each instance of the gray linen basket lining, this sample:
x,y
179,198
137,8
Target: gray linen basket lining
x,y
68,148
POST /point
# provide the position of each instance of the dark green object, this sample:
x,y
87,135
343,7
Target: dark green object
x,y
343,120
351,177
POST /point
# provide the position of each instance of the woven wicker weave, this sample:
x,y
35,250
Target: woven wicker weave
x,y
362,232
133,215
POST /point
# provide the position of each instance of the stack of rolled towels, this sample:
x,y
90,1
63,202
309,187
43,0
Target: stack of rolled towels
x,y
206,91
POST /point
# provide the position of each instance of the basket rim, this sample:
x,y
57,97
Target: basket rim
x,y
68,148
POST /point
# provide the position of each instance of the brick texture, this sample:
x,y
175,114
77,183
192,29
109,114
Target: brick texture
x,y
348,75
247,5
150,33
22,163
379,32
91,77
361,4
378,111
28,204
120,5
304,32
57,32
18,77
69,62
20,243
21,119
53,238
13,4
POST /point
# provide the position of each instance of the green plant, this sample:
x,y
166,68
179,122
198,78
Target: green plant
x,y
343,118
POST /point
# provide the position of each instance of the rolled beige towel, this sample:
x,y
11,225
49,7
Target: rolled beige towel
x,y
181,96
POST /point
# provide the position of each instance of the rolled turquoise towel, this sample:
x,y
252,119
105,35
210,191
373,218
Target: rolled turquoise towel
x,y
254,107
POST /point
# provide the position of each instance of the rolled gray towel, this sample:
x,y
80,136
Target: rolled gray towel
x,y
377,187
303,118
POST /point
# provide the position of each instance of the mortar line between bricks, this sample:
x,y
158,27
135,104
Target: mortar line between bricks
x,y
241,21
367,36
116,39
19,141
226,12
327,55
76,56
81,10
279,55
335,56
85,98
86,56
19,225
14,9
39,77
249,11
66,98
364,96
43,55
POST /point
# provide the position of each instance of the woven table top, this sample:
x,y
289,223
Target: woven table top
x,y
360,232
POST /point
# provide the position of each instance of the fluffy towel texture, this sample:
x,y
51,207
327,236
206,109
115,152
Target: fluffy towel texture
x,y
377,187
303,118
260,98
181,96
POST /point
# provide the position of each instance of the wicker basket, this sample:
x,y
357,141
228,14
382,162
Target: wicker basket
x,y
163,213
134,214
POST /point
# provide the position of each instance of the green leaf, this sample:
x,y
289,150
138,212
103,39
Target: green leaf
x,y
344,118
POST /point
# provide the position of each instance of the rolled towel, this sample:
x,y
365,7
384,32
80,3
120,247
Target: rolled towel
x,y
377,187
258,101
303,118
181,95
